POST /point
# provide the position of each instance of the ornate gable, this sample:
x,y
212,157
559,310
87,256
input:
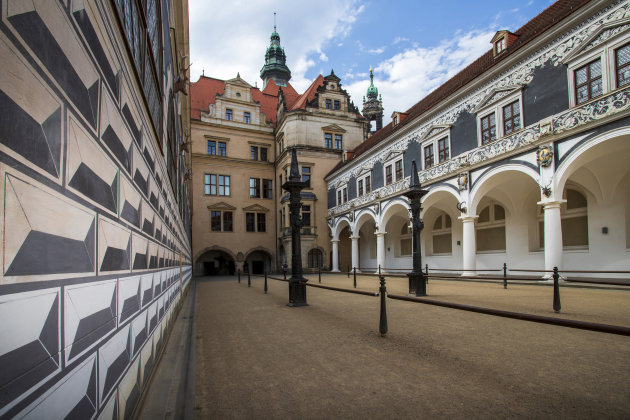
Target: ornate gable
x,y
223,206
256,208
495,95
393,154
598,37
333,128
435,129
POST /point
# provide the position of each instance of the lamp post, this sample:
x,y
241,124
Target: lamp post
x,y
417,279
297,282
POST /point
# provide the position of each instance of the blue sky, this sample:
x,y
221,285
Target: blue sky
x,y
413,46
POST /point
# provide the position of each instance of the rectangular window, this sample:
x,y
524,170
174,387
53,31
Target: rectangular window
x,y
399,170
345,195
306,175
339,197
622,62
253,151
360,187
328,104
212,147
254,188
227,221
263,154
222,149
511,117
336,105
388,174
328,140
246,117
250,222
215,221
267,188
588,81
428,156
210,187
338,141
306,215
368,186
488,129
224,185
262,223
443,152
228,114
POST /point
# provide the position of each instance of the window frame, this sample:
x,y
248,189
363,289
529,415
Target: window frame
x,y
306,171
258,219
328,103
217,184
338,141
229,114
336,105
328,140
342,194
221,148
496,108
267,188
627,65
222,222
428,157
366,184
255,188
247,117
588,84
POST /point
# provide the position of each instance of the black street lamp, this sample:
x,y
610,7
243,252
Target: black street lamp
x,y
417,279
297,282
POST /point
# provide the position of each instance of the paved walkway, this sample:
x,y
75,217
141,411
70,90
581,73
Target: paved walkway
x,y
258,358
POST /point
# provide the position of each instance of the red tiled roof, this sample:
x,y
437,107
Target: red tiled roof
x,y
307,96
204,92
528,32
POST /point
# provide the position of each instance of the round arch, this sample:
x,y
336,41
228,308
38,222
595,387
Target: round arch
x,y
490,180
392,207
363,217
341,223
215,260
215,248
258,260
617,142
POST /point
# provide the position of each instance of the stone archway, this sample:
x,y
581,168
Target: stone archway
x,y
215,262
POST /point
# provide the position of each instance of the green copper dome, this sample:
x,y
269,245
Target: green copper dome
x,y
372,91
275,62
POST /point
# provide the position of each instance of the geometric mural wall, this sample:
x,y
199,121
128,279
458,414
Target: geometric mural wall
x,y
92,232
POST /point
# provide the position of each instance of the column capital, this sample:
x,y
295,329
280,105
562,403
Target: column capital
x,y
554,204
380,233
334,241
467,218
355,238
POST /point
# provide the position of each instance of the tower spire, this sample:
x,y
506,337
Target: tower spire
x,y
275,66
373,106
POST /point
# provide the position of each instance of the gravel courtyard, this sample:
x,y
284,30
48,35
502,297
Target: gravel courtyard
x,y
258,358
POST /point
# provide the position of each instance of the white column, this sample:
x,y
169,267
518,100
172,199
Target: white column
x,y
380,250
469,247
335,255
553,235
355,252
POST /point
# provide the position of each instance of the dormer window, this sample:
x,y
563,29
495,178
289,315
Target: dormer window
x,y
395,121
500,46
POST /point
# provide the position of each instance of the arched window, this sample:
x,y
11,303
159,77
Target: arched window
x,y
491,228
574,221
315,258
441,235
405,240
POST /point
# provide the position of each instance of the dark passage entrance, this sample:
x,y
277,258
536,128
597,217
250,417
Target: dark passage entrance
x,y
215,263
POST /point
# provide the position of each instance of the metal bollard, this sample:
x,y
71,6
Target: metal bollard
x,y
319,274
239,276
556,291
379,269
382,327
504,275
426,271
348,271
265,282
249,279
355,277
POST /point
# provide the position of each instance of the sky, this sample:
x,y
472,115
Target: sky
x,y
413,46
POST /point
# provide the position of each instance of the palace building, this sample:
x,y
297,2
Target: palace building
x,y
241,150
95,204
524,154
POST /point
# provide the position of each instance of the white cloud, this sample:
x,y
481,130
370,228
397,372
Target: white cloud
x,y
230,37
379,50
409,76
399,39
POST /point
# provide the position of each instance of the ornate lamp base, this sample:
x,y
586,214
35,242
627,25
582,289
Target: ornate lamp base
x,y
297,293
417,284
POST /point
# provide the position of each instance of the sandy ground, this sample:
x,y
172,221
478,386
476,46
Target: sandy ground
x,y
257,358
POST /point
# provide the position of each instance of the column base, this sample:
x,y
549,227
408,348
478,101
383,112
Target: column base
x,y
469,273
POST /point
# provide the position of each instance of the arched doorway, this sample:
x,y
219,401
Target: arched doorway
x,y
258,261
215,263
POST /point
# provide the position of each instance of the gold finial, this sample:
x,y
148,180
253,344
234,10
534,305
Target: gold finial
x,y
370,68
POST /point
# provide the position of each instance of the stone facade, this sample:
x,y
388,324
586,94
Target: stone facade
x,y
95,201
